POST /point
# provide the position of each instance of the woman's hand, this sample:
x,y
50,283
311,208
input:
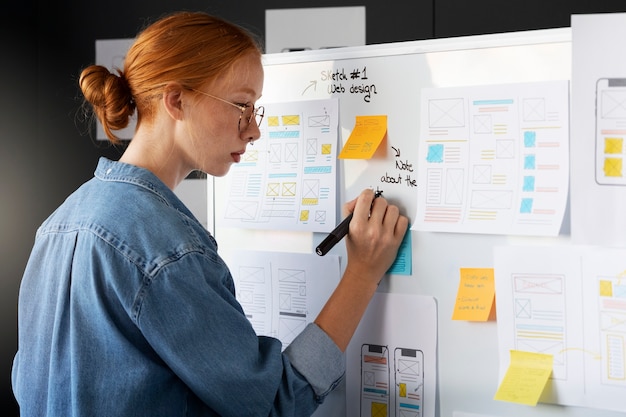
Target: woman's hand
x,y
376,232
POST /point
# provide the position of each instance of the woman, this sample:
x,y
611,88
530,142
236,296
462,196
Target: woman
x,y
125,307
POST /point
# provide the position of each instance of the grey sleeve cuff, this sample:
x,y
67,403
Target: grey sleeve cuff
x,y
318,359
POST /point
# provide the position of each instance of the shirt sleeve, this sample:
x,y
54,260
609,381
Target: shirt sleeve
x,y
190,317
312,347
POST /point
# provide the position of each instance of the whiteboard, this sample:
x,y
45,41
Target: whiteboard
x,y
387,79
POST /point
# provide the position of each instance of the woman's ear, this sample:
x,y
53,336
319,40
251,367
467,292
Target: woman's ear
x,y
173,100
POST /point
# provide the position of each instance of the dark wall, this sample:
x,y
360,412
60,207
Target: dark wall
x,y
463,17
46,148
18,177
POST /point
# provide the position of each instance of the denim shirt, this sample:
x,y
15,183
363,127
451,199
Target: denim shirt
x,y
126,309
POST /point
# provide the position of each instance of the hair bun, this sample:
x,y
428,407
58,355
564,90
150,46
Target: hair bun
x,y
110,95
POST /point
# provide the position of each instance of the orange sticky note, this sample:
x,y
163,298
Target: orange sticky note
x,y
526,377
365,138
476,295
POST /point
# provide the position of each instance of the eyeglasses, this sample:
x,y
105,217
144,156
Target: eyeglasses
x,y
257,112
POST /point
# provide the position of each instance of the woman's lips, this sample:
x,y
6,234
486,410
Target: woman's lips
x,y
237,156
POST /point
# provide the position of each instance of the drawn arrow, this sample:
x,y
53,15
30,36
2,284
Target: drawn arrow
x,y
312,84
594,355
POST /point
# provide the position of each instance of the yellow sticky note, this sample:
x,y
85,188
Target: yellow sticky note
x,y
367,134
613,167
291,120
378,409
526,378
402,391
475,297
606,288
613,145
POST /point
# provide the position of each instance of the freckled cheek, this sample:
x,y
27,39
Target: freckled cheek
x,y
220,150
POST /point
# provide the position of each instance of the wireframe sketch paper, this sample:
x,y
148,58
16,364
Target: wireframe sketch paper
x,y
494,159
598,184
287,180
283,292
392,358
569,302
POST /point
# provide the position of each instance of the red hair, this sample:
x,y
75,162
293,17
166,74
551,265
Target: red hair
x,y
191,48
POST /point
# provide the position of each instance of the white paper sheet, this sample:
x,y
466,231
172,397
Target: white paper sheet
x,y
283,292
392,358
287,180
598,195
570,302
494,159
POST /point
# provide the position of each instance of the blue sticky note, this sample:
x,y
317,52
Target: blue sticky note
x,y
435,153
529,139
529,162
403,265
529,183
526,206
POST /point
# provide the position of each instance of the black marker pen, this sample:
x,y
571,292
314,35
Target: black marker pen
x,y
338,233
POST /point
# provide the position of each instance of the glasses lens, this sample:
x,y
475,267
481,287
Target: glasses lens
x,y
259,112
256,113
